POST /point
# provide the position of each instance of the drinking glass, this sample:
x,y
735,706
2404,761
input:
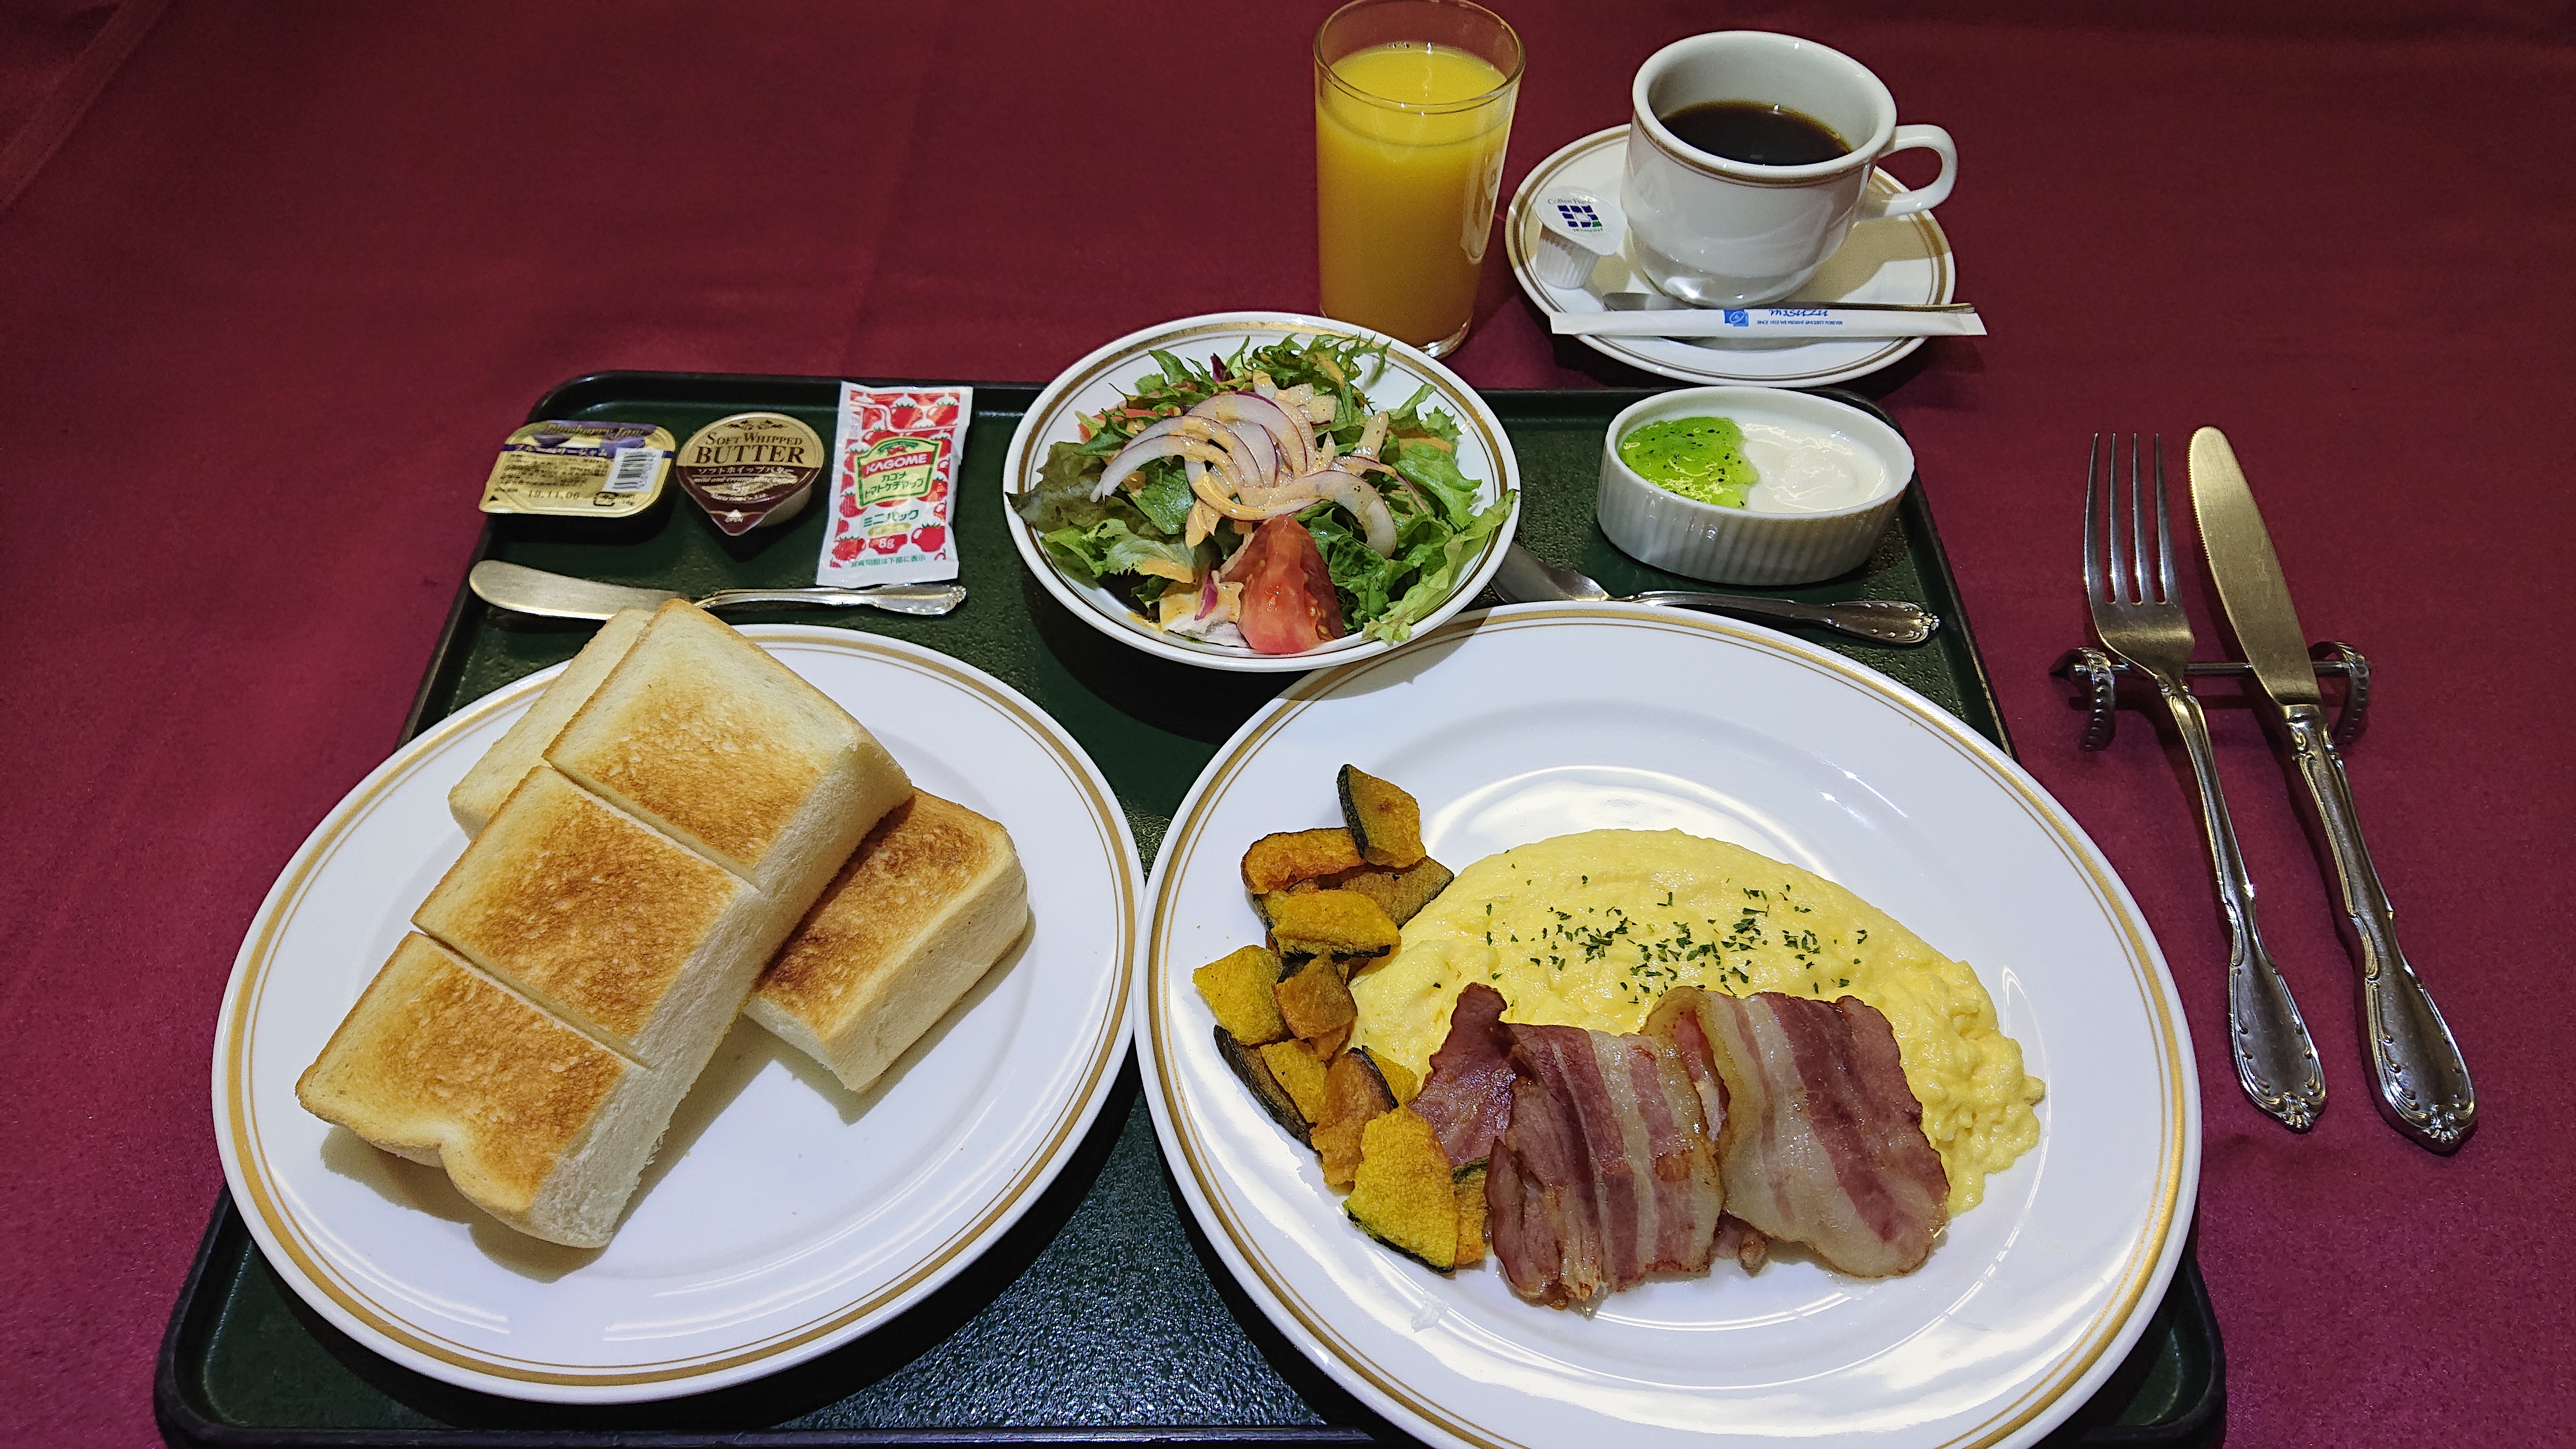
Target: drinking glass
x,y
1413,104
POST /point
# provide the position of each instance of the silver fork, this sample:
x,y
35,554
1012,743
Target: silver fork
x,y
2139,617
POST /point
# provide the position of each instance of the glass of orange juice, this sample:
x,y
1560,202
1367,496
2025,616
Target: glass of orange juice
x,y
1413,102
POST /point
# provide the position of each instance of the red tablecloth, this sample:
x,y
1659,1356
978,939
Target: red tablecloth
x,y
267,308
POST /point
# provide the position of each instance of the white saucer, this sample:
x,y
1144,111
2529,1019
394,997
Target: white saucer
x,y
1898,259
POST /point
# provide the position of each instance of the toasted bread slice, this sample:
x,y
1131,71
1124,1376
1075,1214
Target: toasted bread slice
x,y
920,911
535,1123
619,930
605,928
700,733
523,747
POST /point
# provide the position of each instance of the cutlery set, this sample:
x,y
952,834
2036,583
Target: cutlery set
x,y
2421,1084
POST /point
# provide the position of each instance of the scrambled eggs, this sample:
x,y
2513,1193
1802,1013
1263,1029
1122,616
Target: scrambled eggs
x,y
1590,929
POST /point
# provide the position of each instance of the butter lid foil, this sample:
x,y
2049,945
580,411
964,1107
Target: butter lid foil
x,y
586,470
751,470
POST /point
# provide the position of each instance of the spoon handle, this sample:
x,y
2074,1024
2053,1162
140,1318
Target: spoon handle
x,y
1887,621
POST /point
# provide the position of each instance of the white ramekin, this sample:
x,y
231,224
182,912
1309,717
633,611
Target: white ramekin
x,y
1699,540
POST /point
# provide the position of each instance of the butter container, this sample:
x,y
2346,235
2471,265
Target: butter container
x,y
751,470
584,470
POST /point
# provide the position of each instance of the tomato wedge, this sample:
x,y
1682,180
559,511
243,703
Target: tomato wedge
x,y
1288,602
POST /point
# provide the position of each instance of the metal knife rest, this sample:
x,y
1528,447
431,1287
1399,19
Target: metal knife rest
x,y
2099,682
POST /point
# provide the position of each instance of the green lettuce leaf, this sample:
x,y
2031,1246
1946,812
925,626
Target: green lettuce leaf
x,y
1166,497
1109,546
1435,471
1439,566
1366,582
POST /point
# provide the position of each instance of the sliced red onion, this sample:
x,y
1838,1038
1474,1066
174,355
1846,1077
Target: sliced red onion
x,y
1352,492
1155,441
1355,462
1240,467
1295,490
1289,440
1215,497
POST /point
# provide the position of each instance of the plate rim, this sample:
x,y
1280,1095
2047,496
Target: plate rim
x,y
261,1213
2061,1387
1096,364
1515,246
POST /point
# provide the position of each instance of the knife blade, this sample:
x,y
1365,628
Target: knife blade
x,y
2423,1086
524,590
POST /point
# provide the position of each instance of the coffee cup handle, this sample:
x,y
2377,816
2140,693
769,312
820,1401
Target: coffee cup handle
x,y
1921,198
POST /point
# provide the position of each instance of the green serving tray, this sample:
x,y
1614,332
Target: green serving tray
x,y
1102,1316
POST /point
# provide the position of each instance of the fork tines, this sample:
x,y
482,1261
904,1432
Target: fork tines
x,y
2104,578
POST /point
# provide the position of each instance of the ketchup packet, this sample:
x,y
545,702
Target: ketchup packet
x,y
894,477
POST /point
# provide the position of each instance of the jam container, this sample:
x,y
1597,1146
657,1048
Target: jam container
x,y
588,470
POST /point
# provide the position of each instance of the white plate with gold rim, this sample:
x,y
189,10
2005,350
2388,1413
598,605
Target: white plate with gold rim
x,y
783,1215
1106,378
1893,259
1517,724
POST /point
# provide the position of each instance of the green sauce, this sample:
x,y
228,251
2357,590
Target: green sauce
x,y
1701,458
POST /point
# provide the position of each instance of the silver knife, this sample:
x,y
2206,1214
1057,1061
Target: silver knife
x,y
523,590
2423,1085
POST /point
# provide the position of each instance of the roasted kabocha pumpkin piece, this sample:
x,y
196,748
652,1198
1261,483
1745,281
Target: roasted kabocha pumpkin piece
x,y
1242,990
1356,1093
1385,822
1315,999
1343,925
1404,1194
1263,905
1276,862
1470,1189
1302,1075
1401,893
1250,1069
1403,1083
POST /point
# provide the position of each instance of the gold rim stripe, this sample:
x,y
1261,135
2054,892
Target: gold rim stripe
x,y
1108,822
2145,1255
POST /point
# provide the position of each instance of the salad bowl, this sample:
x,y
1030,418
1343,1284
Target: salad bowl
x,y
1463,473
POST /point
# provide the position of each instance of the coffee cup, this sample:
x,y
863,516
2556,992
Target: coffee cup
x,y
1720,230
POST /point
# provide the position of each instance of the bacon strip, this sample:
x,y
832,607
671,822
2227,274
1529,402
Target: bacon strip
x,y
1822,1141
1605,1173
1468,1096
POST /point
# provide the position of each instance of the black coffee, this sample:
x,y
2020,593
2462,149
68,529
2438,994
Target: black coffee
x,y
1755,131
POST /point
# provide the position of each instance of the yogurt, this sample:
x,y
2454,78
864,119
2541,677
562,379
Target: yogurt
x,y
1806,471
